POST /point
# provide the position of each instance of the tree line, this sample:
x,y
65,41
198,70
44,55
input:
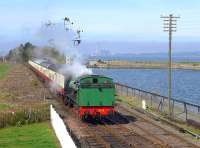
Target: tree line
x,y
24,52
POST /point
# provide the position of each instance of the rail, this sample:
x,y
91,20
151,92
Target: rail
x,y
180,109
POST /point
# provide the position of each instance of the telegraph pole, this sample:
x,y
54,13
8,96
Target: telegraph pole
x,y
170,26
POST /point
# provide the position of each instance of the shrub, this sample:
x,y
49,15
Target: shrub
x,y
25,115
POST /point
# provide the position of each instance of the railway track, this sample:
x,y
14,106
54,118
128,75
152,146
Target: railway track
x,y
112,133
152,130
106,133
132,135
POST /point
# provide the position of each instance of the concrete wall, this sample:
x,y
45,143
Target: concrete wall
x,y
60,130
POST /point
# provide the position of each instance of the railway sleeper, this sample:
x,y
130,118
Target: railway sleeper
x,y
97,140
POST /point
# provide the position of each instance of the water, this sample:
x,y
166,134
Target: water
x,y
185,83
190,57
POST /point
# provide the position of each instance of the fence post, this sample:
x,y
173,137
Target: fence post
x,y
121,90
127,91
161,105
132,92
185,108
151,101
138,95
173,109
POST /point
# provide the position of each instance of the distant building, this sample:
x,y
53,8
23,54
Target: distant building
x,y
68,60
92,62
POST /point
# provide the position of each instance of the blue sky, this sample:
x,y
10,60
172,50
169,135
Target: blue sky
x,y
103,20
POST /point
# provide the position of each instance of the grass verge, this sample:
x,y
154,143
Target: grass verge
x,y
4,107
4,68
29,136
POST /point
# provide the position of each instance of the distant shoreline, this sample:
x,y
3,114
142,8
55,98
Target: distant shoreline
x,y
119,64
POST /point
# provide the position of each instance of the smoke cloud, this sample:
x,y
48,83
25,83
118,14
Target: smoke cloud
x,y
75,70
58,37
55,35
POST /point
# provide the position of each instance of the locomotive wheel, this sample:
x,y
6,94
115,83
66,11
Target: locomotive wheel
x,y
98,117
85,117
65,100
70,103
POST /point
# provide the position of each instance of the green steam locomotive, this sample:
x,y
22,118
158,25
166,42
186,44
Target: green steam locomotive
x,y
92,94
